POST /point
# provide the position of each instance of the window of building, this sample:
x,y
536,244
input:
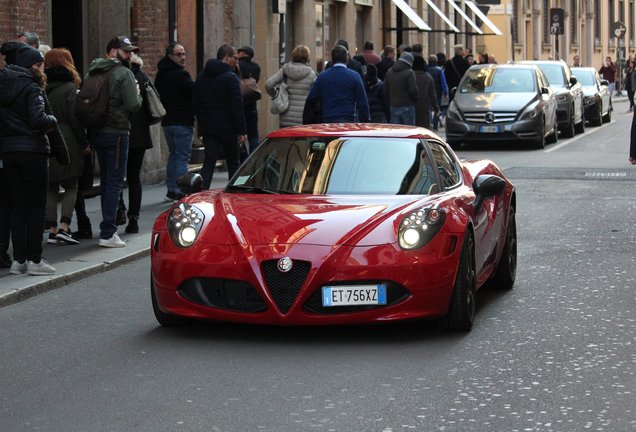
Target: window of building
x,y
515,21
546,22
574,22
621,11
597,22
611,11
632,22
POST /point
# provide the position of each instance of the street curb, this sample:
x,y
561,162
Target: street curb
x,y
55,282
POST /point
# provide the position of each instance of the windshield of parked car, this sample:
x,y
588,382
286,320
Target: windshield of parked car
x,y
586,78
554,73
498,80
387,166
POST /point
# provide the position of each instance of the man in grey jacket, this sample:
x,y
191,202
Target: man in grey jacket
x,y
111,141
401,87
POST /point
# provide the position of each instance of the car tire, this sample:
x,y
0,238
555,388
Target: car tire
x,y
540,142
608,117
580,127
461,311
553,138
568,131
598,119
506,272
165,319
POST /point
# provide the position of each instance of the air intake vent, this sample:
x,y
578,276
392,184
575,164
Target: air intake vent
x,y
228,294
284,286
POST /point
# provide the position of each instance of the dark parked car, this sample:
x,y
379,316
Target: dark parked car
x,y
502,103
598,100
569,95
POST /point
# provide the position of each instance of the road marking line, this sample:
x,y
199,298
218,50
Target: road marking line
x,y
576,138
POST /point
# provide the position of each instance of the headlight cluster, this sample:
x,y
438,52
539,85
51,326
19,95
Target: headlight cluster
x,y
184,224
529,113
452,113
589,100
420,226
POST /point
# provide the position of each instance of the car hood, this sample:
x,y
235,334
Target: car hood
x,y
493,101
589,90
258,219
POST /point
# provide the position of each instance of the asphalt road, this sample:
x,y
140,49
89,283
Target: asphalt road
x,y
557,353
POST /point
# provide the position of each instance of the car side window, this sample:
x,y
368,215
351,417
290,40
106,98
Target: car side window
x,y
448,169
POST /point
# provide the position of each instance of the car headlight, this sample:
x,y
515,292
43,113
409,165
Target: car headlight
x,y
184,224
529,113
420,226
562,98
452,113
589,100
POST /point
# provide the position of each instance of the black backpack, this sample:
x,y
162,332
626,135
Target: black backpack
x,y
91,105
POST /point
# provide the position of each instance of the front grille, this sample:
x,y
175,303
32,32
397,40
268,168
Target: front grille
x,y
395,293
228,294
498,117
284,287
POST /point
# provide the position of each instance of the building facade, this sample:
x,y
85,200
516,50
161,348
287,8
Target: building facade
x,y
507,29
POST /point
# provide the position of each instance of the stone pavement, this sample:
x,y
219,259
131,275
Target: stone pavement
x,y
75,262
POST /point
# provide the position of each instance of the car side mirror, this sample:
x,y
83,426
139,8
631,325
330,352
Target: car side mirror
x,y
486,186
545,90
190,183
604,82
573,80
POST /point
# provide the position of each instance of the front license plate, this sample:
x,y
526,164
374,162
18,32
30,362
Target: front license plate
x,y
490,129
353,295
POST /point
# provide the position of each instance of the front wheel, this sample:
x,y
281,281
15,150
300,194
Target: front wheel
x,y
608,117
461,312
506,271
540,142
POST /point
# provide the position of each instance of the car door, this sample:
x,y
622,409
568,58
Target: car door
x,y
577,94
603,92
549,100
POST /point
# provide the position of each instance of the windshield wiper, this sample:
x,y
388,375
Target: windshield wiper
x,y
250,189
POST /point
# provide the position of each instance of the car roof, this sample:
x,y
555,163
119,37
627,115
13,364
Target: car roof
x,y
536,62
503,66
584,68
375,130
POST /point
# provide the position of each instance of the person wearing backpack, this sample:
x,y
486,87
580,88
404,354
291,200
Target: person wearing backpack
x,y
111,140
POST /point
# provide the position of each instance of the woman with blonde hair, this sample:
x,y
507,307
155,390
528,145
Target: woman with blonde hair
x,y
63,82
299,77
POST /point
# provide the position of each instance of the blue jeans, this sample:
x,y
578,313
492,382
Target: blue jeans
x,y
179,139
403,115
112,154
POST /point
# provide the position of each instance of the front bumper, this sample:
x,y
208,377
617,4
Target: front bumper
x,y
462,131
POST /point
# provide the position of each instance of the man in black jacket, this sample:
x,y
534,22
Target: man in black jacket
x,y
250,69
219,110
455,68
175,86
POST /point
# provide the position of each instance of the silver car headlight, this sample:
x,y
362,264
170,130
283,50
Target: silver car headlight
x,y
529,113
452,113
419,227
589,100
184,224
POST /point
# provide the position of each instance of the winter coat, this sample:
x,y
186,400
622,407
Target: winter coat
x,y
383,67
175,87
300,78
124,98
378,102
140,120
454,70
219,104
23,120
400,84
426,100
62,92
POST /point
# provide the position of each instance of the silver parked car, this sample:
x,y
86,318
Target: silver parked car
x,y
598,100
569,94
496,102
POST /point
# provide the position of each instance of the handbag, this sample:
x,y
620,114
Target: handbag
x,y
249,90
155,108
280,101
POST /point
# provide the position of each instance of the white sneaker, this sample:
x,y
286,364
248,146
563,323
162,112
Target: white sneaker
x,y
40,269
113,242
17,268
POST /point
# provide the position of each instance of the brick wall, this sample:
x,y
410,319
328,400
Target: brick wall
x,y
150,31
25,15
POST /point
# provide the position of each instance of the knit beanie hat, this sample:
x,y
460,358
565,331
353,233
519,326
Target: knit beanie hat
x,y
407,58
9,50
27,56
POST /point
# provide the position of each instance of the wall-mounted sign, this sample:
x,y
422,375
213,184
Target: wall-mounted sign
x,y
557,21
618,30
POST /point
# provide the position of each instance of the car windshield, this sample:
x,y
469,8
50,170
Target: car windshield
x,y
387,166
554,73
586,78
498,80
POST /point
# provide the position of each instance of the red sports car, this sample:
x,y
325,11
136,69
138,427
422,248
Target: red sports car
x,y
338,224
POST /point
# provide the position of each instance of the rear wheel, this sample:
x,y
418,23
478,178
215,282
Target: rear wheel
x,y
165,319
506,271
461,312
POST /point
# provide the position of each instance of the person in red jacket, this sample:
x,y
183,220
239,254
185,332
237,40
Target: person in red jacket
x,y
608,72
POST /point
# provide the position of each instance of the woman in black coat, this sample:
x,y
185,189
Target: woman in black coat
x,y
24,124
140,141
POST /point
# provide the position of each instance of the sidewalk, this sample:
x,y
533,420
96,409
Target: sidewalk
x,y
75,262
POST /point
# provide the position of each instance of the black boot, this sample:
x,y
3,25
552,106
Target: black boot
x,y
133,227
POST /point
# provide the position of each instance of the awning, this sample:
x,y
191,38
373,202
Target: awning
x,y
466,17
483,17
412,15
441,14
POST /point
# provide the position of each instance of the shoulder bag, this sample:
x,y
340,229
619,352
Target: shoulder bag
x,y
156,111
249,90
280,101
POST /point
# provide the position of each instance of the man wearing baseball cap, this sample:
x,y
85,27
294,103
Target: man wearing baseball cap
x,y
111,141
250,69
